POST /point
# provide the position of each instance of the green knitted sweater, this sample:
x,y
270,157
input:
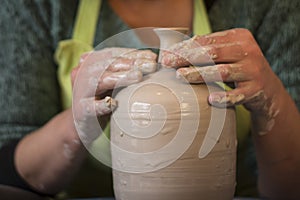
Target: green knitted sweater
x,y
31,30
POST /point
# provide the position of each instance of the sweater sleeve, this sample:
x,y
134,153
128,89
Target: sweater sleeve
x,y
8,173
29,90
279,38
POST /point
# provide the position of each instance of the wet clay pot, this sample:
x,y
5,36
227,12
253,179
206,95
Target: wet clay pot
x,y
168,143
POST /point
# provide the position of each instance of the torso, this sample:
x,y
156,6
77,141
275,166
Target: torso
x,y
154,13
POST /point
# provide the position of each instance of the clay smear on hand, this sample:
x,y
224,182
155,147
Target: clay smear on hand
x,y
221,72
264,112
182,53
105,106
223,99
90,109
264,119
263,109
117,79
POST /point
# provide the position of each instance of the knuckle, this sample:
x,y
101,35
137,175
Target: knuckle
x,y
246,34
198,38
244,31
212,51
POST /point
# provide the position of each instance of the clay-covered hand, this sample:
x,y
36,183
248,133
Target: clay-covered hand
x,y
236,58
98,73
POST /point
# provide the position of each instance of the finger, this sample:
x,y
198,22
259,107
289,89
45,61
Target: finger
x,y
90,107
145,65
213,45
110,81
220,72
218,53
125,64
226,99
125,60
178,54
248,94
224,53
85,114
131,53
99,56
125,53
140,54
223,37
74,74
105,106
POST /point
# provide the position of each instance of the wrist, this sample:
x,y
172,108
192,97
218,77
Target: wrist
x,y
268,107
71,137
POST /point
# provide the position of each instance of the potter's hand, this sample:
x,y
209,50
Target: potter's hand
x,y
97,75
238,59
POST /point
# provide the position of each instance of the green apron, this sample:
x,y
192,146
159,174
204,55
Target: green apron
x,y
67,56
68,52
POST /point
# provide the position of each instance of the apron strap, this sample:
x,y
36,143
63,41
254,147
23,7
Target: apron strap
x,y
86,21
68,52
201,25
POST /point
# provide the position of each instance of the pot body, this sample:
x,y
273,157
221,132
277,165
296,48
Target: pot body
x,y
156,133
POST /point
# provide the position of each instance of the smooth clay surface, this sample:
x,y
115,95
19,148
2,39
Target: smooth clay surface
x,y
154,119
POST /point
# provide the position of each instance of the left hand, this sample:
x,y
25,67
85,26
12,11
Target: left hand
x,y
97,75
237,58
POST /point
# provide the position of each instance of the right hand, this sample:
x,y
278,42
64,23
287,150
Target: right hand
x,y
100,72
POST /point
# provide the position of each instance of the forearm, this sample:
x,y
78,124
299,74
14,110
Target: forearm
x,y
48,157
278,150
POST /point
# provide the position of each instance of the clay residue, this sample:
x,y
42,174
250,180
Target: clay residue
x,y
110,103
264,112
269,126
225,100
221,72
105,106
233,72
190,74
145,65
184,53
68,153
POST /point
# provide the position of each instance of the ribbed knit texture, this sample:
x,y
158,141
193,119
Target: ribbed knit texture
x,y
31,29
